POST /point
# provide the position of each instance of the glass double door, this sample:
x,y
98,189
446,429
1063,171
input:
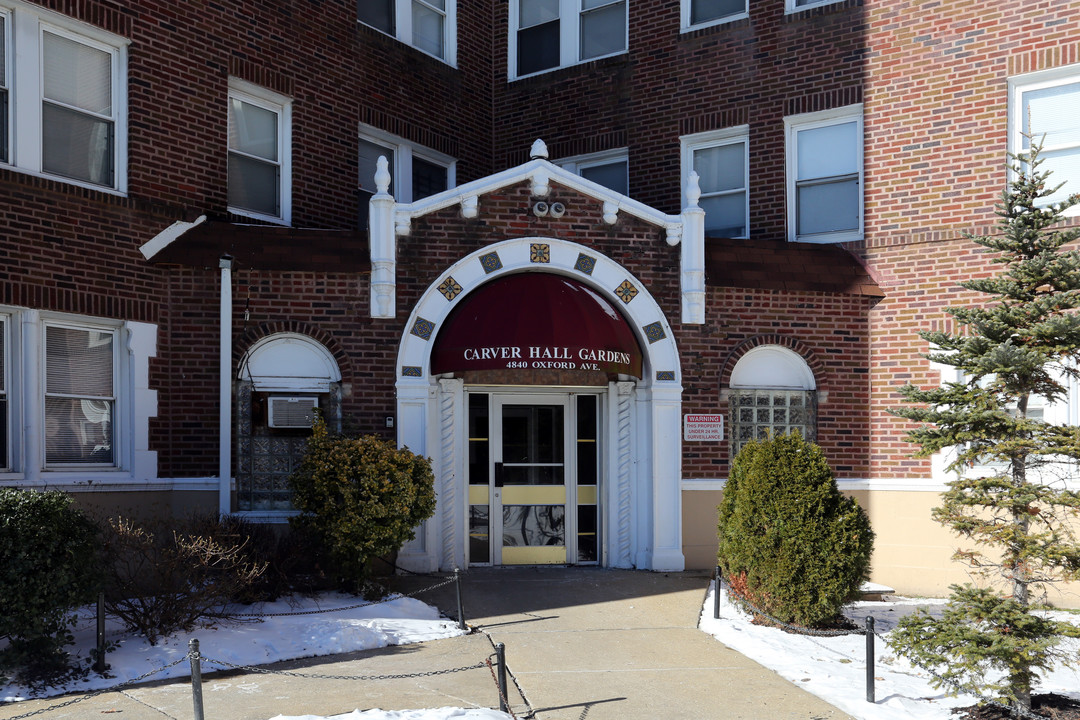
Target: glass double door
x,y
533,478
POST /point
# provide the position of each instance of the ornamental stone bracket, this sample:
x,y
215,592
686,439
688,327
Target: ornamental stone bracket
x,y
389,220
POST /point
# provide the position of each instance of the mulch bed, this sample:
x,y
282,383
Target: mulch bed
x,y
1050,705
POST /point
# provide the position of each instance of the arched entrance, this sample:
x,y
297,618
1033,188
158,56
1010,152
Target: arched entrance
x,y
520,356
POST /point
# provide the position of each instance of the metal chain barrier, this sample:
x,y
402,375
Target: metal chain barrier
x,y
95,693
952,686
317,676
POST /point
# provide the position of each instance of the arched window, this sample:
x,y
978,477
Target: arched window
x,y
772,393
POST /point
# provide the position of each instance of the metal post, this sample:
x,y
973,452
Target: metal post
x,y
196,678
870,659
99,661
716,595
460,607
500,657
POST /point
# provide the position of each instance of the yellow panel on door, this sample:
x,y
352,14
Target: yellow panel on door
x,y
534,555
478,494
534,495
586,494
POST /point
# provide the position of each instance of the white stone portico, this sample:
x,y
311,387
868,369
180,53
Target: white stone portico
x,y
639,491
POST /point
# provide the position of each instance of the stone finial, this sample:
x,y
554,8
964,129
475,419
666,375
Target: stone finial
x,y
693,189
382,175
539,150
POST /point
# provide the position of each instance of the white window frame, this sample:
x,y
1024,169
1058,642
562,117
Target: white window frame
x,y
5,80
577,163
689,144
7,357
404,151
687,13
1020,84
281,105
25,27
117,410
570,13
793,6
403,27
793,125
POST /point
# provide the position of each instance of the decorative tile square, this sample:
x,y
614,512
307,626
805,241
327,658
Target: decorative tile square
x,y
411,371
654,331
585,263
665,375
539,253
423,328
491,262
626,291
450,288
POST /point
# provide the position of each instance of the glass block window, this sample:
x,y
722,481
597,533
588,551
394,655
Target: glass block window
x,y
761,414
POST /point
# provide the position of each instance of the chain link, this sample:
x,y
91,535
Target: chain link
x,y
316,676
498,688
95,693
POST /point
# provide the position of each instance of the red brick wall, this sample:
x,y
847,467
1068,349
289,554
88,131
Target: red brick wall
x,y
936,101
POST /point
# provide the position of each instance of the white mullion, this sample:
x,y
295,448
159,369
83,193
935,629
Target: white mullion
x,y
569,32
27,92
404,21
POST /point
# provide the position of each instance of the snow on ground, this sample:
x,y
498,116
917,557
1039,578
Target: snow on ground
x,y
834,668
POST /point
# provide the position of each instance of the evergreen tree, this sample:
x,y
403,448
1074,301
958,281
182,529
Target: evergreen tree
x,y
1009,497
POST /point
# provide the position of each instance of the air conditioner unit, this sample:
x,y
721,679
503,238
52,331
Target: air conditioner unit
x,y
292,412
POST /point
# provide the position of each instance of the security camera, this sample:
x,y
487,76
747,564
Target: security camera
x,y
557,210
540,209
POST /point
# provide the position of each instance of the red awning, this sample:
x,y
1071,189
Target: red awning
x,y
536,321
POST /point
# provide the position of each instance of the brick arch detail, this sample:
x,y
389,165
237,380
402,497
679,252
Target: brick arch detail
x,y
263,330
817,367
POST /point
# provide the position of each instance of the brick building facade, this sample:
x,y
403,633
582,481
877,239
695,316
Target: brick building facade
x,y
200,242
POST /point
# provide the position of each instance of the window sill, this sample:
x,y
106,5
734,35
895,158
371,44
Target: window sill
x,y
621,57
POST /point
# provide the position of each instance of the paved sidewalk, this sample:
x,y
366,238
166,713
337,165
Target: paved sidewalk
x,y
581,644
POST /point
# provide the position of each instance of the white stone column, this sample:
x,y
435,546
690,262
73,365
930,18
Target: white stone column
x,y
620,475
665,469
450,485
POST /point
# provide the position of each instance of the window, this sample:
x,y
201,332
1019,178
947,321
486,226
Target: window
x,y
80,399
427,25
62,107
259,152
5,406
772,393
791,6
824,169
555,33
610,169
416,172
702,13
1042,106
721,161
5,84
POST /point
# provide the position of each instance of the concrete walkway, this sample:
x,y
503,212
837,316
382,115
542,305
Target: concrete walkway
x,y
581,644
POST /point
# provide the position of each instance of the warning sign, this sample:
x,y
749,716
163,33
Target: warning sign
x,y
703,428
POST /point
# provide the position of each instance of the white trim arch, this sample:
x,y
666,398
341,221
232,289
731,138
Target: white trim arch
x,y
772,367
642,455
289,362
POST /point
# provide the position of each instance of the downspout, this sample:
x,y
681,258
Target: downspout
x,y
225,390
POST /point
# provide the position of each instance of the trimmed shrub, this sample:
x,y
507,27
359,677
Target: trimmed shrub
x,y
164,580
361,498
49,565
794,545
